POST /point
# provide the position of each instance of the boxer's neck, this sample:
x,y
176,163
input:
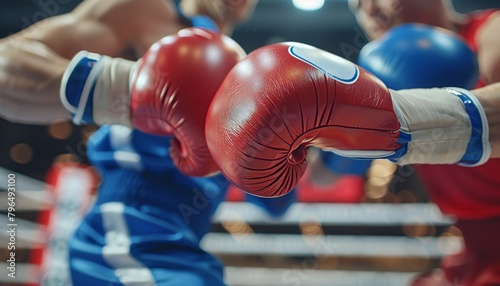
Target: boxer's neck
x,y
191,8
445,16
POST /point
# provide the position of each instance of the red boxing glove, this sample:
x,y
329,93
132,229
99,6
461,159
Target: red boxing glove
x,y
285,97
172,87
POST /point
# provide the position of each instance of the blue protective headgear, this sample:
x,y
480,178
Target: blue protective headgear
x,y
420,56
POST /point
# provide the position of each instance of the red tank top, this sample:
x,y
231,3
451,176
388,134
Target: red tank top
x,y
465,192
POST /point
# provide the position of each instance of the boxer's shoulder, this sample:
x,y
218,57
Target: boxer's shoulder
x,y
104,10
487,43
490,25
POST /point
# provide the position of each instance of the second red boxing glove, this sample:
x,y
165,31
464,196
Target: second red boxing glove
x,y
174,83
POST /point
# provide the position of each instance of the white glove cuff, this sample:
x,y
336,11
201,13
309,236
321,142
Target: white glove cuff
x,y
440,127
479,147
96,89
112,92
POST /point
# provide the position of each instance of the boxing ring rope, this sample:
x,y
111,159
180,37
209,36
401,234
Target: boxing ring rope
x,y
31,235
337,214
280,276
239,239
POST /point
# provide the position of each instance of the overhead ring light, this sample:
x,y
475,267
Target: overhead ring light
x,y
308,5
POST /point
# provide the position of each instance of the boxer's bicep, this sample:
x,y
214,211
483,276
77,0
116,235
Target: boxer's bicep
x,y
90,26
67,35
113,27
489,49
119,27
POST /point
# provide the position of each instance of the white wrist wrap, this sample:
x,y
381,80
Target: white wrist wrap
x,y
439,125
112,93
96,89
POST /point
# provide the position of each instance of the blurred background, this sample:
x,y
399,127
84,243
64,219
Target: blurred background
x,y
384,233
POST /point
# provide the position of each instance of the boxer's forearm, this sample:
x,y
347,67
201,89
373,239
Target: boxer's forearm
x,y
30,71
489,97
28,66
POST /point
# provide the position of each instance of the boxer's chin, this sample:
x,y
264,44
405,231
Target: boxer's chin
x,y
374,32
